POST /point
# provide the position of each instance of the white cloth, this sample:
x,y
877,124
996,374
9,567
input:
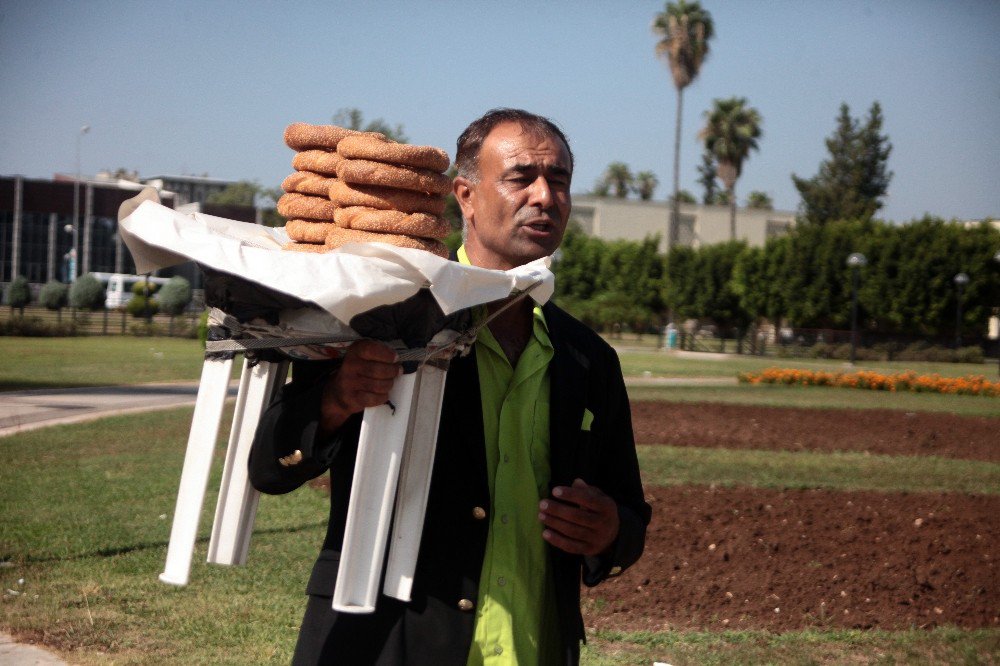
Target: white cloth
x,y
345,282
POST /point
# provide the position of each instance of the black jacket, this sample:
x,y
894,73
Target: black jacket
x,y
432,629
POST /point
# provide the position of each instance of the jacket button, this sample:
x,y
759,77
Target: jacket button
x,y
465,605
478,513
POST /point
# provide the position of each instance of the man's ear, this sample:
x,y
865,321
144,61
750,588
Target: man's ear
x,y
464,191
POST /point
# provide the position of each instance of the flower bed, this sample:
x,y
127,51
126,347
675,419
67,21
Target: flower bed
x,y
875,381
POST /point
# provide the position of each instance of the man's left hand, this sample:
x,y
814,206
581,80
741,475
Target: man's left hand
x,y
579,519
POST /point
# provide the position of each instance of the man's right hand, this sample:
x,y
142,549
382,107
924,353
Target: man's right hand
x,y
363,380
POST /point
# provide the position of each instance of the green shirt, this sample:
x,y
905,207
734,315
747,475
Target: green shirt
x,y
515,618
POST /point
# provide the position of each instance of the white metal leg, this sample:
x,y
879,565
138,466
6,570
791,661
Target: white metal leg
x,y
414,482
237,504
376,471
197,464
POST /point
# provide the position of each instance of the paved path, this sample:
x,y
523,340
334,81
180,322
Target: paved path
x,y
15,654
27,410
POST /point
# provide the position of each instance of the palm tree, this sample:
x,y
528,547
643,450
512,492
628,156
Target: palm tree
x,y
730,133
645,184
619,178
761,200
684,29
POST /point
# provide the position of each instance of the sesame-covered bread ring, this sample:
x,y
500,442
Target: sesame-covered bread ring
x,y
308,231
303,206
383,150
392,222
306,247
367,172
386,198
307,182
340,237
320,161
303,136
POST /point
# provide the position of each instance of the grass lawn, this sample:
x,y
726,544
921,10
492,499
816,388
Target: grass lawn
x,y
39,363
86,513
102,361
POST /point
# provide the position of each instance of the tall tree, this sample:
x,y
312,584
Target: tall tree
x,y
853,180
730,133
707,180
645,184
684,29
353,118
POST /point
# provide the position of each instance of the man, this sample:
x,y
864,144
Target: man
x,y
535,480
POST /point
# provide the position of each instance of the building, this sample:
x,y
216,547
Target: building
x,y
40,240
611,218
188,189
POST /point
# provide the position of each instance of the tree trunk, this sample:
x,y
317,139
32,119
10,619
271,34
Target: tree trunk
x,y
732,213
673,228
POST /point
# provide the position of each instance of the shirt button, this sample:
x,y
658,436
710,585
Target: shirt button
x,y
478,513
498,650
504,519
465,605
501,581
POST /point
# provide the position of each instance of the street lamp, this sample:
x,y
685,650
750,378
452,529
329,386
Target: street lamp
x,y
76,200
855,261
960,281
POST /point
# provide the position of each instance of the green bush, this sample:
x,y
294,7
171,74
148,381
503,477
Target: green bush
x,y
139,288
87,293
971,354
140,306
144,329
203,328
54,295
175,296
34,327
18,293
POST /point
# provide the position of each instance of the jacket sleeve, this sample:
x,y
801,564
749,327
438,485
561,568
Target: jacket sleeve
x,y
290,423
619,478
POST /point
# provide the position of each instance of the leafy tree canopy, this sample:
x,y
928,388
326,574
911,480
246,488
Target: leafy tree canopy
x,y
353,118
852,182
761,200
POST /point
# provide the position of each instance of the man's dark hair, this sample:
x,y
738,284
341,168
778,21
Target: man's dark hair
x,y
471,140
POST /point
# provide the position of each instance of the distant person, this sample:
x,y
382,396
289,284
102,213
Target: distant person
x,y
535,484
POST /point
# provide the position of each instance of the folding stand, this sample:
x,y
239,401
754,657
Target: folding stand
x,y
396,448
237,504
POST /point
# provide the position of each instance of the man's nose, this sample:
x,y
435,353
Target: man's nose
x,y
541,193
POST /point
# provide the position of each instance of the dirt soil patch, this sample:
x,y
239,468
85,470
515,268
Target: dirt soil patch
x,y
885,432
741,558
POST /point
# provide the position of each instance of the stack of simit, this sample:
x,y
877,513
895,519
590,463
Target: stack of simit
x,y
352,187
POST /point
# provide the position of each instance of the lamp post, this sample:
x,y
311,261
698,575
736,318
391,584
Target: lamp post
x,y
76,200
960,281
855,261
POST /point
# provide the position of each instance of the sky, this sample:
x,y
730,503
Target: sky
x,y
207,87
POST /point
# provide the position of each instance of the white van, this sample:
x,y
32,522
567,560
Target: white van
x,y
118,287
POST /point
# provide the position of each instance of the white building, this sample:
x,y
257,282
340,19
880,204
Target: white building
x,y
611,218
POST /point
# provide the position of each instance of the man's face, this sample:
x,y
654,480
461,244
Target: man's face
x,y
517,211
